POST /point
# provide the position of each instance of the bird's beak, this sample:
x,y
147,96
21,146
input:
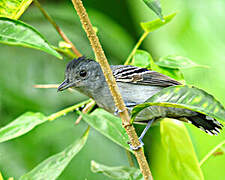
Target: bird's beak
x,y
64,85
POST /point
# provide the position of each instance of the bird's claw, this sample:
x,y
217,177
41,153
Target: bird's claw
x,y
127,104
137,147
117,111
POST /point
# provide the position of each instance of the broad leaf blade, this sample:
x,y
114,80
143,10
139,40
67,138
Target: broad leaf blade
x,y
13,8
178,147
120,172
109,125
153,25
177,62
52,167
14,32
21,125
187,97
155,6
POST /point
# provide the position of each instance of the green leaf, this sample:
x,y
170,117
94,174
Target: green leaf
x,y
155,6
177,62
178,147
173,73
17,33
119,172
187,97
142,59
52,167
13,8
21,125
153,25
109,125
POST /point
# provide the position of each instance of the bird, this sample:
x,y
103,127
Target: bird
x,y
136,85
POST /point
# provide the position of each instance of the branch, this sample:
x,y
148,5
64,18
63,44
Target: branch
x,y
100,56
46,86
61,33
49,86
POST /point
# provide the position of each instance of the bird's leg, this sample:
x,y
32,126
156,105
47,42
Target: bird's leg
x,y
127,104
142,135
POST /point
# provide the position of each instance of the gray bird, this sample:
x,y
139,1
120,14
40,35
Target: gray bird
x,y
136,85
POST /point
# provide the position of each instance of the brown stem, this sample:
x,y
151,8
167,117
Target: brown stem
x,y
61,33
100,56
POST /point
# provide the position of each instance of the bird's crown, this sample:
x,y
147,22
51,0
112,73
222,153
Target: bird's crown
x,y
75,62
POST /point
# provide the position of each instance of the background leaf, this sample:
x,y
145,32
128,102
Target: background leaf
x,y
177,62
155,6
109,125
120,172
13,8
155,24
14,32
52,167
187,97
177,144
173,73
21,125
142,59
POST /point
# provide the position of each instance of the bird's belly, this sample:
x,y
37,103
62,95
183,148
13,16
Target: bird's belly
x,y
160,112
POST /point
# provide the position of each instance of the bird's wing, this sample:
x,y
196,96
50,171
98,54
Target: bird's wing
x,y
142,76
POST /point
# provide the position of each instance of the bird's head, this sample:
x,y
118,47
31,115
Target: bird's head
x,y
82,74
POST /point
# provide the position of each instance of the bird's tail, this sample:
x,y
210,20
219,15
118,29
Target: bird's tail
x,y
206,123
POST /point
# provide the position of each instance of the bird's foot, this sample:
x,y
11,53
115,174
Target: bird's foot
x,y
137,147
141,137
117,111
127,104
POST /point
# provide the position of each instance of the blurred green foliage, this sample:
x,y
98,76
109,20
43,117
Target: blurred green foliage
x,y
196,32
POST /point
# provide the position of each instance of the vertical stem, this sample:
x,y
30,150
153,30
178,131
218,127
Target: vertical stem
x,y
143,36
61,33
99,53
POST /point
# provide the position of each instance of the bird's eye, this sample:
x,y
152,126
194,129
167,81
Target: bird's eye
x,y
83,73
